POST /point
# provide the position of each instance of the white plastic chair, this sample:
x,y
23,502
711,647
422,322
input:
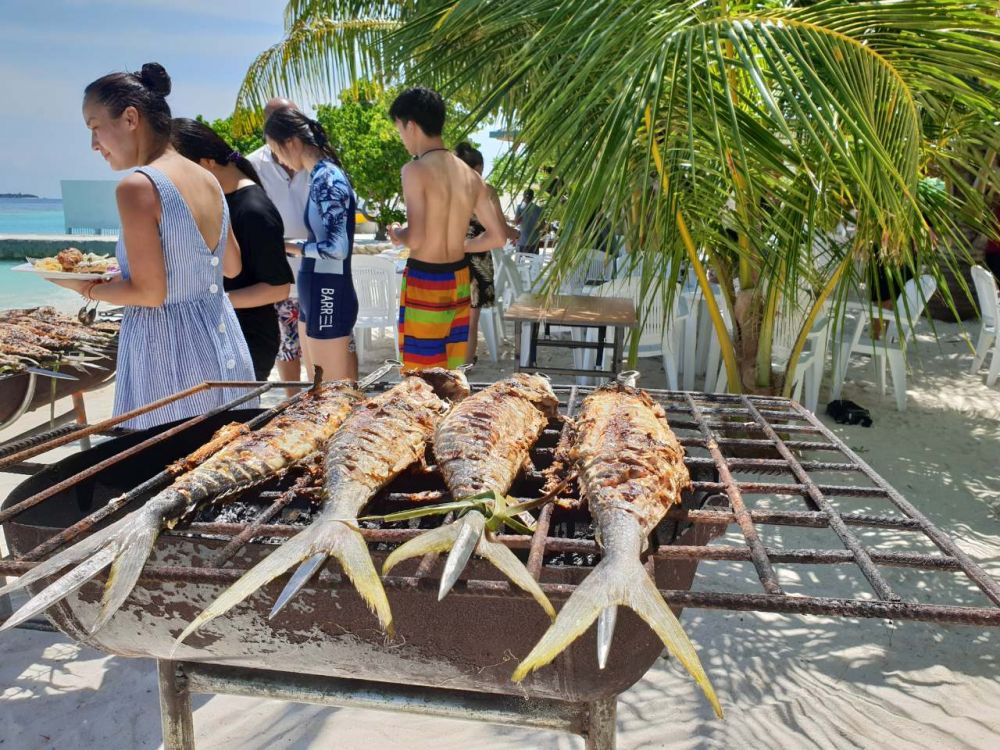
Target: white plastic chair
x,y
812,360
598,270
377,285
659,335
989,313
891,346
510,286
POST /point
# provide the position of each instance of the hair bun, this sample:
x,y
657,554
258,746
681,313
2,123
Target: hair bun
x,y
155,78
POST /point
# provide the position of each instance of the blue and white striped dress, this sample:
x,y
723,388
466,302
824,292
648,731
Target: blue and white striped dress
x,y
193,336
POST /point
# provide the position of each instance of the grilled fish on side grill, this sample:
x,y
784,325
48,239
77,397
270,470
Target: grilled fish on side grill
x,y
376,443
481,446
631,470
245,459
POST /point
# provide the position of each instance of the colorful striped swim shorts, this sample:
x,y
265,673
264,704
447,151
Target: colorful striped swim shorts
x,y
434,314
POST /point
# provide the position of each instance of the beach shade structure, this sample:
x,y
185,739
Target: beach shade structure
x,y
989,313
891,345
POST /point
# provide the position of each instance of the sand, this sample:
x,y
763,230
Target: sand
x,y
785,682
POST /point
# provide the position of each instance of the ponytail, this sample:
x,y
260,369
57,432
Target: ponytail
x,y
194,140
285,124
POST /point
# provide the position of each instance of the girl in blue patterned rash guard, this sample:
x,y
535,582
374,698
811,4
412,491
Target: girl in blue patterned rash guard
x,y
327,300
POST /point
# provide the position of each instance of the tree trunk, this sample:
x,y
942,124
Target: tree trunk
x,y
381,234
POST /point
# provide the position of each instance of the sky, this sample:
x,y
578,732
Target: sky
x,y
51,49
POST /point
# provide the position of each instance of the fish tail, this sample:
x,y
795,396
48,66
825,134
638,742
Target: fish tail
x,y
617,581
345,543
125,546
282,559
463,538
310,547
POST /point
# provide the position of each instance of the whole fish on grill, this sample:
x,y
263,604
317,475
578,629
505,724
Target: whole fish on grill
x,y
377,442
481,446
245,459
631,470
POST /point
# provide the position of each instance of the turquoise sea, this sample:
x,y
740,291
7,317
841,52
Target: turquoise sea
x,y
28,290
31,216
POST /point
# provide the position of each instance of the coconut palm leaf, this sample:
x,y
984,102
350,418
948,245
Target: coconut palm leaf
x,y
728,136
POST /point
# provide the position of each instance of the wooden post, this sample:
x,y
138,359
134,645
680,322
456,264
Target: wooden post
x,y
80,412
175,707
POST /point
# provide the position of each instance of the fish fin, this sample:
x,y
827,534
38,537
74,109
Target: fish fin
x,y
125,545
435,540
507,563
465,537
470,528
323,538
617,581
288,554
302,575
128,564
61,588
57,562
346,544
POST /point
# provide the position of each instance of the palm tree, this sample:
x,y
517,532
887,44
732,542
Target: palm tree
x,y
724,139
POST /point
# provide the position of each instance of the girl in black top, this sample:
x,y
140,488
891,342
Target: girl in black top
x,y
265,277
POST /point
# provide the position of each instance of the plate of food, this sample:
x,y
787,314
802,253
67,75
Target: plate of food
x,y
72,263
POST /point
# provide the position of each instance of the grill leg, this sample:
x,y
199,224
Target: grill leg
x,y
175,707
601,724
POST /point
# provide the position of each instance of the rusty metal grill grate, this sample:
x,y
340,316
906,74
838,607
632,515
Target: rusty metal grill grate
x,y
743,451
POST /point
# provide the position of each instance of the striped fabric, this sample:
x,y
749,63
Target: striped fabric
x,y
434,314
193,336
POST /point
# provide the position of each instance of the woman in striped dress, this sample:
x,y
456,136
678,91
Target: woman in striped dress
x,y
178,329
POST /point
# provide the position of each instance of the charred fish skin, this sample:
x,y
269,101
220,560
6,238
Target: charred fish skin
x,y
481,446
631,470
246,459
381,438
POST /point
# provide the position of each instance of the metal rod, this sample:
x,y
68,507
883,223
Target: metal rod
x,y
989,585
861,557
9,513
601,724
152,484
807,556
764,570
100,426
541,713
255,527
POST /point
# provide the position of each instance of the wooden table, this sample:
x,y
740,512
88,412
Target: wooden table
x,y
575,311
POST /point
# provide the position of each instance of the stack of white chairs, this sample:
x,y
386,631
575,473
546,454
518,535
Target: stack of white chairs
x,y
509,286
989,331
890,346
377,285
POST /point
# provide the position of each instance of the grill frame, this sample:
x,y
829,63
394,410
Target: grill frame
x,y
685,411
711,417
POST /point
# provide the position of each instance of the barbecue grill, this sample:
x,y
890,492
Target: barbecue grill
x,y
454,658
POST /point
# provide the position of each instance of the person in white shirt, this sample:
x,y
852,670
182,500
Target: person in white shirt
x,y
289,191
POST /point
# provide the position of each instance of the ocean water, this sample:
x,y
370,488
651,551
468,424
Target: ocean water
x,y
28,290
31,216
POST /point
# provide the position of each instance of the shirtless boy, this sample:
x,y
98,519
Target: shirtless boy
x,y
441,194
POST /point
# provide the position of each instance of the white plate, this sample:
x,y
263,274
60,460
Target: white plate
x,y
28,268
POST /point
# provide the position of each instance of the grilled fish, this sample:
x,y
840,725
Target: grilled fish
x,y
631,470
245,459
481,446
376,443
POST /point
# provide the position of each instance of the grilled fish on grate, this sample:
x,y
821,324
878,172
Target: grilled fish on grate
x,y
376,443
481,446
245,459
631,470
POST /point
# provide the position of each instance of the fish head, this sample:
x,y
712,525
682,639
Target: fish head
x,y
538,390
447,384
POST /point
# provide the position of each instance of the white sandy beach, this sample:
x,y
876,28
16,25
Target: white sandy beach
x,y
786,682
